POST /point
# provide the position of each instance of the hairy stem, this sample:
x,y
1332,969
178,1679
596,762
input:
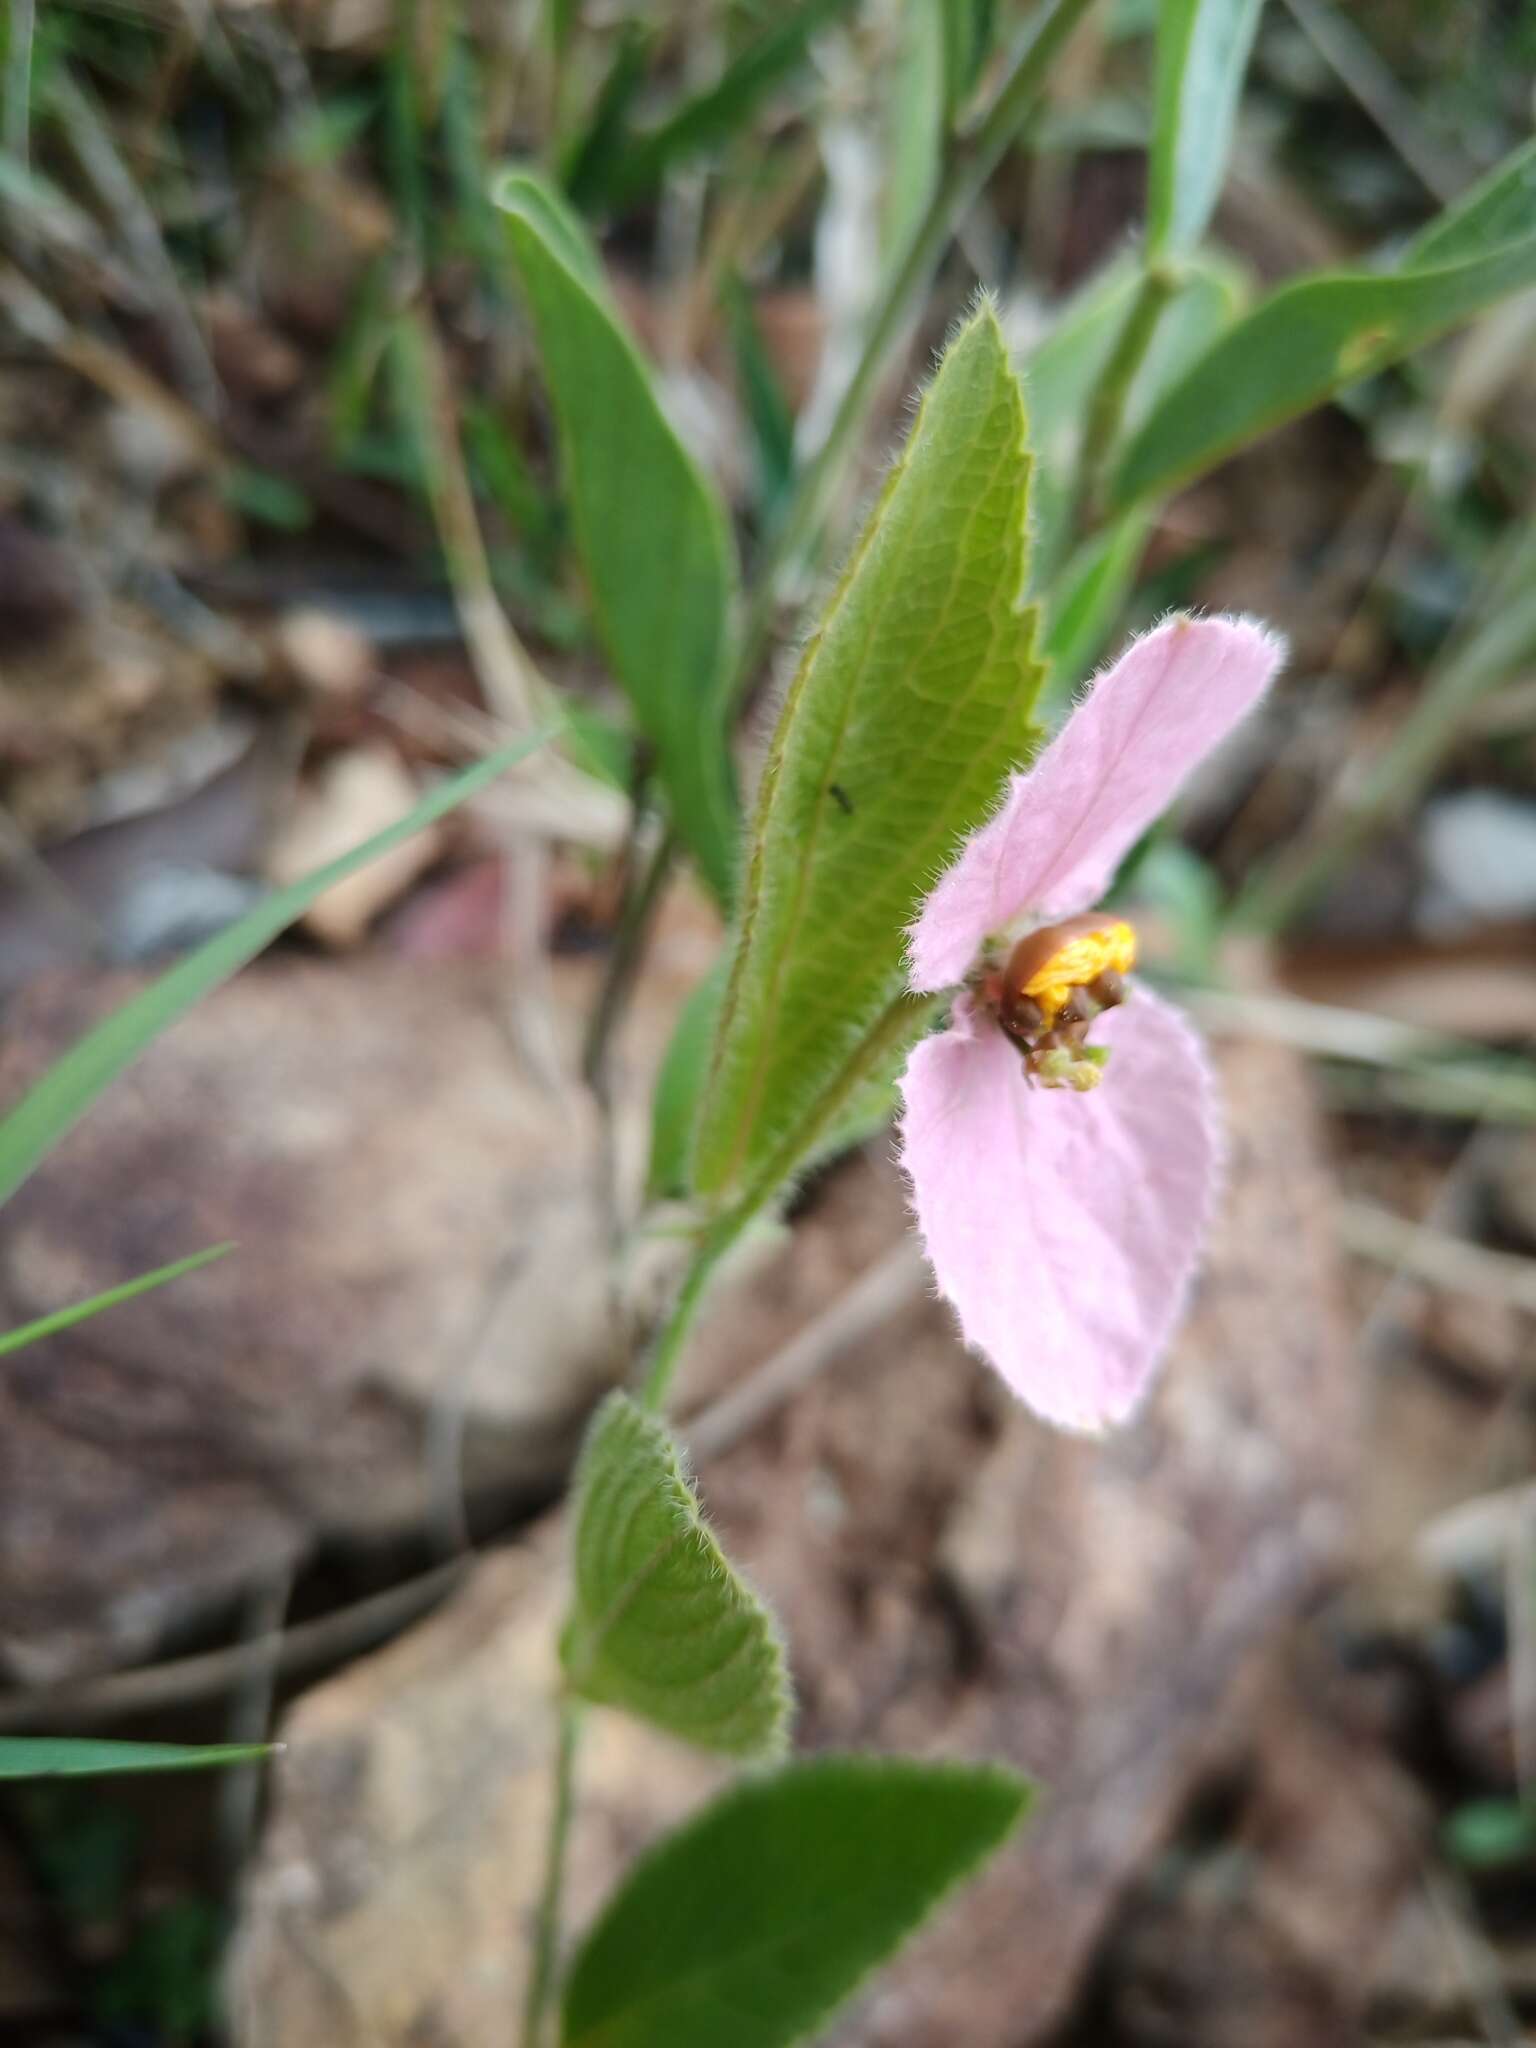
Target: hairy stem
x,y
669,1347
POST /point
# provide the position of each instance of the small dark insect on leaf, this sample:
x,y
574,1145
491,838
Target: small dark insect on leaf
x,y
843,799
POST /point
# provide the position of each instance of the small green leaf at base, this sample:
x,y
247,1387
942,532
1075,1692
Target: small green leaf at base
x,y
60,1756
753,1922
661,1625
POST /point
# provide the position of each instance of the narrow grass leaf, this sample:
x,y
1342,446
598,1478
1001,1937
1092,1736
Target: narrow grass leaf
x,y
652,533
912,702
661,1625
57,1102
1202,53
1301,345
756,1920
82,1311
723,110
63,1756
1499,208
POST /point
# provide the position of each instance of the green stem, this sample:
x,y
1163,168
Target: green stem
x,y
969,169
668,1351
1106,408
634,924
544,1967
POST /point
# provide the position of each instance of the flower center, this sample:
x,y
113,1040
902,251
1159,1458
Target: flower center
x,y
1055,982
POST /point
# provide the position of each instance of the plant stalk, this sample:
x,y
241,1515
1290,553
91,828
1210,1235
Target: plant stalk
x,y
668,1351
969,169
544,1968
1106,408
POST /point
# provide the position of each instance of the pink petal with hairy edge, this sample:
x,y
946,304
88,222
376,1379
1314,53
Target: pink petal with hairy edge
x,y
1064,1228
1065,824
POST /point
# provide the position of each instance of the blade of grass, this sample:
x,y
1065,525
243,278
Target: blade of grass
x,y
63,1756
58,1101
82,1311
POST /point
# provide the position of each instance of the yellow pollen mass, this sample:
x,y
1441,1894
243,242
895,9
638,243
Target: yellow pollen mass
x,y
1079,961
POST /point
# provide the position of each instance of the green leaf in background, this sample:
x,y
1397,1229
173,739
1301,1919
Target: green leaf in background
x,y
716,115
660,1624
764,402
911,704
1202,53
916,122
755,1921
592,157
675,1104
1301,345
82,1311
1089,594
1061,371
62,1756
652,533
1498,209
57,1102
969,27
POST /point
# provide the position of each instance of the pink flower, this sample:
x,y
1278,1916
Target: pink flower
x,y
1063,1219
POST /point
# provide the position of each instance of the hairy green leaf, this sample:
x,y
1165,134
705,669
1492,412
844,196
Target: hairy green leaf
x,y
82,1311
60,1756
660,1625
911,703
50,1109
753,1923
651,531
1302,344
1202,53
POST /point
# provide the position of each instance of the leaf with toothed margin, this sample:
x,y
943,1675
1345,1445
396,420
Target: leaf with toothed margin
x,y
661,1625
912,701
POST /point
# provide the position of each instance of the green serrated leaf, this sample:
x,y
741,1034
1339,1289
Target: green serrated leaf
x,y
756,1920
1301,345
55,1104
652,533
660,1624
911,704
59,1756
1202,53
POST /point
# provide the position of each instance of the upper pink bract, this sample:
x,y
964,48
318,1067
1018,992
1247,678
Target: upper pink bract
x,y
1065,1229
1065,824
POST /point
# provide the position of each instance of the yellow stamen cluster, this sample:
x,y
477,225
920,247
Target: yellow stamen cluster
x,y
1077,964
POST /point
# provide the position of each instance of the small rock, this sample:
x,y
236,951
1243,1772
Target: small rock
x,y
325,654
1479,852
417,1308
354,795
